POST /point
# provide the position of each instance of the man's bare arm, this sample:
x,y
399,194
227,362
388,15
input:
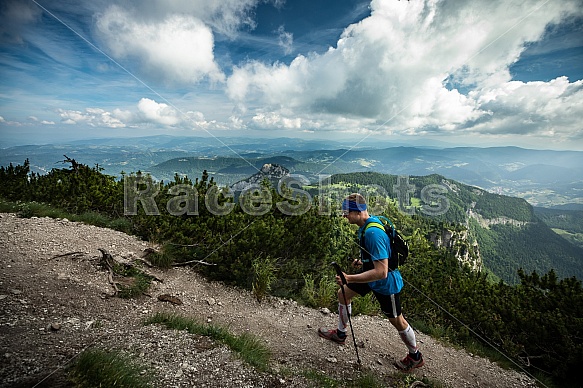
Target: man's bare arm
x,y
379,272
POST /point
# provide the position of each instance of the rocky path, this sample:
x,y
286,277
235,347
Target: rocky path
x,y
53,307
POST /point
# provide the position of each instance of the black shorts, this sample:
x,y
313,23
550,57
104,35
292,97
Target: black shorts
x,y
390,304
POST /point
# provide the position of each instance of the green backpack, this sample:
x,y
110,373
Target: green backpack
x,y
399,247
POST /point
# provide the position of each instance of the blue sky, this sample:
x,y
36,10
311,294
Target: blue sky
x,y
480,73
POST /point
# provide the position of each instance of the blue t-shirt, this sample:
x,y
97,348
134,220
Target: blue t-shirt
x,y
378,246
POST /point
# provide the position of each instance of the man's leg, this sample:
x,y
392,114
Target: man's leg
x,y
414,359
391,307
344,308
405,332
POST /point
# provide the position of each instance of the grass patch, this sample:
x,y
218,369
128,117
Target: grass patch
x,y
121,225
100,368
39,209
249,348
365,305
8,206
264,274
320,379
131,281
92,218
171,253
139,284
162,259
322,295
366,379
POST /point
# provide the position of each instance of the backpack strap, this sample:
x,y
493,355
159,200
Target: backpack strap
x,y
375,224
368,225
390,230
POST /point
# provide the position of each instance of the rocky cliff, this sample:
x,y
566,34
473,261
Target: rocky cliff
x,y
457,242
271,172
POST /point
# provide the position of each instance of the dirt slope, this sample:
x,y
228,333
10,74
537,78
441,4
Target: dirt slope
x,y
52,308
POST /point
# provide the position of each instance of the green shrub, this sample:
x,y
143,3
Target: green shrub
x,y
264,274
121,225
325,295
135,282
365,305
92,218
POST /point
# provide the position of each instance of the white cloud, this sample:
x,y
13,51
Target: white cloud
x,y
94,117
147,113
225,17
392,67
546,109
162,114
285,40
178,48
272,120
159,113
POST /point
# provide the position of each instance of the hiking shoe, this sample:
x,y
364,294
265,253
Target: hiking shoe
x,y
331,335
408,363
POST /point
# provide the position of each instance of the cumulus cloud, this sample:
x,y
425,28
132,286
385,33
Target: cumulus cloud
x,y
146,112
94,117
225,17
159,113
394,67
174,40
545,109
178,48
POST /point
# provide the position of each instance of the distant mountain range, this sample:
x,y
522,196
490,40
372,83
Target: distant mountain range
x,y
543,178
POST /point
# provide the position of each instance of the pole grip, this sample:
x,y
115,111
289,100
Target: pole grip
x,y
338,271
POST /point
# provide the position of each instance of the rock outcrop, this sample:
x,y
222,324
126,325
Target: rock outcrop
x,y
457,242
271,172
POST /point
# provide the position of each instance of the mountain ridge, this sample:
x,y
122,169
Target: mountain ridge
x,y
496,169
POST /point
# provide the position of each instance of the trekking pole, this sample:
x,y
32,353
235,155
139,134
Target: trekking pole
x,y
339,273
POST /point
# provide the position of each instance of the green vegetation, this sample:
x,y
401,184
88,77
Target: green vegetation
x,y
135,281
504,247
535,320
322,295
101,368
247,346
532,247
264,274
367,379
567,223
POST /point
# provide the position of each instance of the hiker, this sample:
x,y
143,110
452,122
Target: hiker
x,y
376,277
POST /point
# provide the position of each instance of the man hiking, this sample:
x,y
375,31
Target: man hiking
x,y
376,277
